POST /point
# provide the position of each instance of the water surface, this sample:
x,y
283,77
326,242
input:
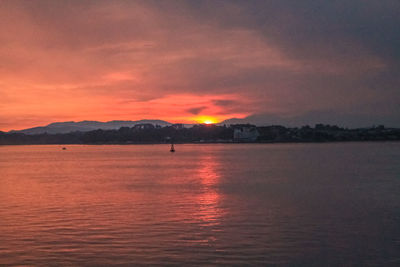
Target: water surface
x,y
289,204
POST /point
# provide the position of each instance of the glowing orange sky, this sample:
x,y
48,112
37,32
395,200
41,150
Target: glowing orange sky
x,y
175,61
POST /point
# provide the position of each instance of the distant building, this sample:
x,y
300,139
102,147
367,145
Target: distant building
x,y
245,133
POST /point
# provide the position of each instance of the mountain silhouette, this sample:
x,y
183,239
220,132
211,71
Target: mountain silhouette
x,y
85,126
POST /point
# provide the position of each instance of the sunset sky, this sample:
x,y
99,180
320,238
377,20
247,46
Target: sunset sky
x,y
274,62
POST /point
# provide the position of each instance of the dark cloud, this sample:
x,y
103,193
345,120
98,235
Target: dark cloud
x,y
285,58
224,103
195,111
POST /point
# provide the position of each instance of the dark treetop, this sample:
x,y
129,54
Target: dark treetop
x,y
148,133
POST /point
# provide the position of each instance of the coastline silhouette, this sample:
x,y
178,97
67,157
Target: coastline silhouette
x,y
202,133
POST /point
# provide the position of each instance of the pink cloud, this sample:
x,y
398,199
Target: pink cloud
x,y
105,60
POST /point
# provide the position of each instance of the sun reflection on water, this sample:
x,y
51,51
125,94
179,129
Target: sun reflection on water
x,y
209,211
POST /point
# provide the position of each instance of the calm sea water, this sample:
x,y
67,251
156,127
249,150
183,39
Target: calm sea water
x,y
289,204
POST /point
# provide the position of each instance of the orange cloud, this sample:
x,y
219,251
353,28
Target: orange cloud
x,y
105,60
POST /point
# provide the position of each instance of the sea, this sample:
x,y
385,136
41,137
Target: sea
x,y
325,204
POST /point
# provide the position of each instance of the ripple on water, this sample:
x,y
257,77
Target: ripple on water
x,y
207,204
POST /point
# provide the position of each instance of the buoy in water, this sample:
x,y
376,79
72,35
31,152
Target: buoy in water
x,y
172,148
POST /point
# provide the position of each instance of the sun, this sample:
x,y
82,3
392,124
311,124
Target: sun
x,y
206,120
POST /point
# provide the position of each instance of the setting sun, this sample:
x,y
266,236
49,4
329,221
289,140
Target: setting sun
x,y
206,120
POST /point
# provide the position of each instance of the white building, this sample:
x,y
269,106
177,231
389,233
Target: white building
x,y
245,133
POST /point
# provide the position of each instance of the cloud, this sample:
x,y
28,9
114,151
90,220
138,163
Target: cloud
x,y
224,102
114,59
196,111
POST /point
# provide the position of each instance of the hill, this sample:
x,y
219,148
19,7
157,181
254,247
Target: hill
x,y
86,126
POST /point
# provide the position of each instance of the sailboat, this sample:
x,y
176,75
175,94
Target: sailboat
x,y
172,148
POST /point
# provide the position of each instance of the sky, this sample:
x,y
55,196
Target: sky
x,y
266,62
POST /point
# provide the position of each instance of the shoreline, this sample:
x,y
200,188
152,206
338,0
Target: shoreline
x,y
207,143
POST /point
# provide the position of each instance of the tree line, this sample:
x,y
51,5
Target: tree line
x,y
148,133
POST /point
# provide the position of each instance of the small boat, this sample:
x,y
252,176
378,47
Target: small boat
x,y
172,148
64,148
